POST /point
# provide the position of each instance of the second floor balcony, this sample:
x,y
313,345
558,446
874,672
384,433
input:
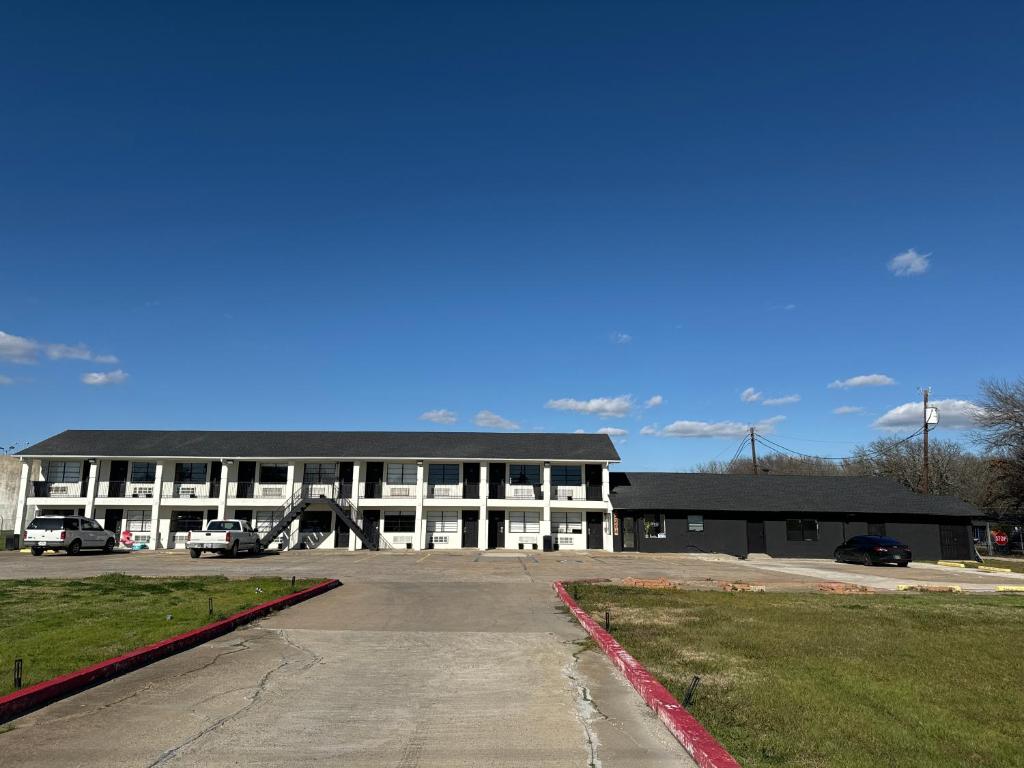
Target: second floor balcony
x,y
189,489
452,491
122,489
44,489
374,490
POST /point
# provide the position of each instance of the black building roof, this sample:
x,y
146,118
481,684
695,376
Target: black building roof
x,y
776,494
372,445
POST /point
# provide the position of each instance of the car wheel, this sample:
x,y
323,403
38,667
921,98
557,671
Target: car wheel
x,y
902,565
74,547
233,551
37,551
194,553
109,546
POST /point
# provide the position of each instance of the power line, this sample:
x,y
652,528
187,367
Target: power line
x,y
739,448
771,444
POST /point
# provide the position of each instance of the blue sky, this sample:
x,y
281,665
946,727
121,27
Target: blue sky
x,y
345,216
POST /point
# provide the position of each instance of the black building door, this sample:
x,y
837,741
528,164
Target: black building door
x,y
496,481
594,480
246,480
595,530
953,542
470,482
374,479
755,536
470,528
371,526
118,478
628,533
112,520
495,529
345,477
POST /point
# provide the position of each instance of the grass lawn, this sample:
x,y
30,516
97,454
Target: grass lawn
x,y
57,625
809,680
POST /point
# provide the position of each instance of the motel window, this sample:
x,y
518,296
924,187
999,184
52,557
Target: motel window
x,y
402,474
654,526
524,474
695,523
566,522
143,472
399,522
190,473
524,522
64,471
319,474
802,530
138,520
441,521
566,475
443,474
265,520
876,529
274,474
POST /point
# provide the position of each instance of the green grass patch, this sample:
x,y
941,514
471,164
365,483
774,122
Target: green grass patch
x,y
57,626
810,680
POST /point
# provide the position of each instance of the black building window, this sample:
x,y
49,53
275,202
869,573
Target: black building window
x,y
401,474
801,530
319,474
443,474
399,522
566,522
190,473
524,474
274,474
143,472
566,475
654,526
695,523
64,472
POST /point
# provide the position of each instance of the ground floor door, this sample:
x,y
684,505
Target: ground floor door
x,y
371,526
470,528
953,542
341,534
628,533
755,536
595,530
112,519
495,529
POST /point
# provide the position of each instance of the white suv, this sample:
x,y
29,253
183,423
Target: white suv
x,y
70,533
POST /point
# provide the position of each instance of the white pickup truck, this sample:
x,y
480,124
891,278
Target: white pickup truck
x,y
225,537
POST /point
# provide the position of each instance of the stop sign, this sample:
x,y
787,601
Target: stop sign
x,y
1000,538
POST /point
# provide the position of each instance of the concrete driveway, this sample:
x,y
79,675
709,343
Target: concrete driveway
x,y
467,664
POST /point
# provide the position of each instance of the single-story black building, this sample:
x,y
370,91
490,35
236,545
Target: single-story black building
x,y
781,515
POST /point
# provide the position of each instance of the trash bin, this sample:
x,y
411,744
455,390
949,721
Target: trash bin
x,y
548,547
11,541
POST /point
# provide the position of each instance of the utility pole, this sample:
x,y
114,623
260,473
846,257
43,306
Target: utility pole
x,y
753,450
924,468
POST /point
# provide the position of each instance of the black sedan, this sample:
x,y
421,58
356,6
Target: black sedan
x,y
873,550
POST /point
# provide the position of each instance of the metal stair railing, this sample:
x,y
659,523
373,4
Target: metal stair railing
x,y
288,511
342,512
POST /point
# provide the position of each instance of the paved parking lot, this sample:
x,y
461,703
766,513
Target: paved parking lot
x,y
420,659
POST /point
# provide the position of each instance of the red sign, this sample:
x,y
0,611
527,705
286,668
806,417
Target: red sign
x,y
1000,538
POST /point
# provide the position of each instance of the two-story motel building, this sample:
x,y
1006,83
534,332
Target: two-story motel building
x,y
405,490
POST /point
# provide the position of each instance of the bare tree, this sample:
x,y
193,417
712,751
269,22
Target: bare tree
x,y
1000,419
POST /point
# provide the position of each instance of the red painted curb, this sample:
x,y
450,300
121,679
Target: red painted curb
x,y
18,703
687,730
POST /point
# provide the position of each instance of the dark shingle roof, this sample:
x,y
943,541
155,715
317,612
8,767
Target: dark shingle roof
x,y
371,445
776,494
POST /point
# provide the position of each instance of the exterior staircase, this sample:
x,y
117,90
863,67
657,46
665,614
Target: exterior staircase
x,y
298,502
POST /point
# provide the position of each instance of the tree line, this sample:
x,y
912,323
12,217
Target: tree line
x,y
991,477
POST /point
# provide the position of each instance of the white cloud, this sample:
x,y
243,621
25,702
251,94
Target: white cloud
x,y
4,380
67,352
785,400
621,338
580,432
491,419
17,349
612,431
750,395
654,402
865,380
107,377
909,263
600,406
440,416
953,414
686,428
842,410
650,429
105,359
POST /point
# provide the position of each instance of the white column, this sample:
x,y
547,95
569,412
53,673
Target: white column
x,y
545,522
222,497
481,536
289,489
90,490
353,542
158,492
20,512
609,526
418,533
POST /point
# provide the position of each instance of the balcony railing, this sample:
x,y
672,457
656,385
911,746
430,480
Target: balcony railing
x,y
590,492
186,489
252,490
534,492
453,491
43,489
387,491
331,490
